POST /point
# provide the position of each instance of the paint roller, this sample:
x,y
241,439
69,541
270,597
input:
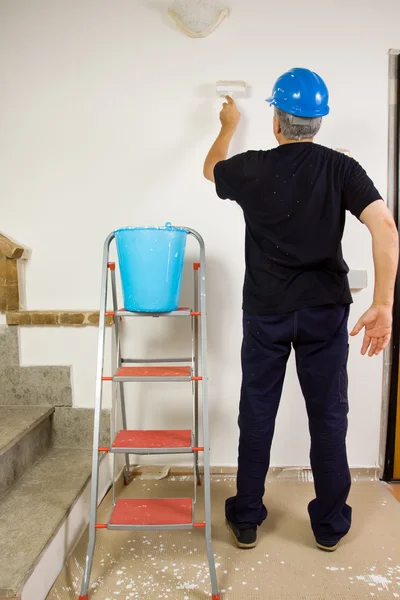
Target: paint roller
x,y
234,89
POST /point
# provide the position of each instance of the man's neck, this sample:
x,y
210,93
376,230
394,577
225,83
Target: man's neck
x,y
283,141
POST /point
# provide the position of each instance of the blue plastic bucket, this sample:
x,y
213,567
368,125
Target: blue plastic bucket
x,y
151,266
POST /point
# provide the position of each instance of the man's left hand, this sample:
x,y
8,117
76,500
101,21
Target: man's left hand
x,y
377,325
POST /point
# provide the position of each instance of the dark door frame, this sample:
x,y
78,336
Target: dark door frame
x,y
392,455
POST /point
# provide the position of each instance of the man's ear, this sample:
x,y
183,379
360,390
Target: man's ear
x,y
276,125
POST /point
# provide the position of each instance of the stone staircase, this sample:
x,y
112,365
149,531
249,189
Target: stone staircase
x,y
45,469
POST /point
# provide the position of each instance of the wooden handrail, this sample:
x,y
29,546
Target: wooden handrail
x,y
11,249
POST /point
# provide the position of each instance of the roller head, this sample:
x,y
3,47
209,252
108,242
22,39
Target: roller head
x,y
231,88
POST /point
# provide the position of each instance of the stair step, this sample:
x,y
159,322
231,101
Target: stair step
x,y
35,386
155,513
33,510
153,374
25,435
73,428
153,442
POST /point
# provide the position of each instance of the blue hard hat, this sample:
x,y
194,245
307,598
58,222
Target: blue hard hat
x,y
302,93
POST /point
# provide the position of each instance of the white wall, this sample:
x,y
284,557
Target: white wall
x,y
107,112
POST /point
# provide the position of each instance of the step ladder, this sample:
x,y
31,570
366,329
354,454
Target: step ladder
x,y
160,513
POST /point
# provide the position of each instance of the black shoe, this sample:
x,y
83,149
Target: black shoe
x,y
244,538
327,547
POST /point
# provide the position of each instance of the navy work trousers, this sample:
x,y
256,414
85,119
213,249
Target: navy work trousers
x,y
319,337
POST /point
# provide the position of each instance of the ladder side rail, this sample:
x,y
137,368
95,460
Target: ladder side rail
x,y
120,384
97,415
206,434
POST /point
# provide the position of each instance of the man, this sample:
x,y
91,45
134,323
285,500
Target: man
x,y
296,294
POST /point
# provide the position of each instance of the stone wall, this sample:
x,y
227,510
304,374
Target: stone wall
x,y
64,318
10,253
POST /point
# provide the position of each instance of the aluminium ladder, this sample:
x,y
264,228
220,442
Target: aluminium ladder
x,y
166,513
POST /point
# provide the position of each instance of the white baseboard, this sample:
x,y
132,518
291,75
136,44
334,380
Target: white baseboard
x,y
287,474
55,555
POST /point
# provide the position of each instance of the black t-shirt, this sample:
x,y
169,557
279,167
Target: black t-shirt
x,y
294,199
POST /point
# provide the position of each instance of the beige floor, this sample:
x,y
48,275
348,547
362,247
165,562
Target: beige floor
x,y
285,565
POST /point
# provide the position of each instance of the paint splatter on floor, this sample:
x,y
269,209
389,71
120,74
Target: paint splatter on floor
x,y
285,565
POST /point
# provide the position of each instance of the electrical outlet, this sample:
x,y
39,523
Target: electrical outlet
x,y
344,151
358,280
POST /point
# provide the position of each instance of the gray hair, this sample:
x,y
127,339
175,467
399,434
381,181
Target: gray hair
x,y
297,128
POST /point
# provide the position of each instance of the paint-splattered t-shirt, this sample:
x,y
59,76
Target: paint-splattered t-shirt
x,y
294,199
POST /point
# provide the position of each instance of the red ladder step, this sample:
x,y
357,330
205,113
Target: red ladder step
x,y
153,441
154,513
153,373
